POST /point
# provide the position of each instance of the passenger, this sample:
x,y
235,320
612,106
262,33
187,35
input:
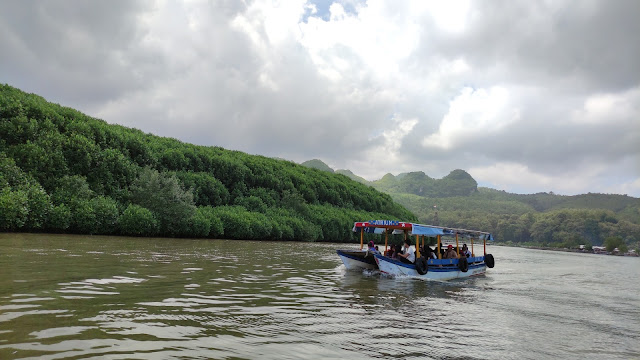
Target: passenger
x,y
465,251
397,252
429,254
372,248
409,254
389,252
450,253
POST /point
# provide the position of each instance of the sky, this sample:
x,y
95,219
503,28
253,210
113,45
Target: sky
x,y
526,96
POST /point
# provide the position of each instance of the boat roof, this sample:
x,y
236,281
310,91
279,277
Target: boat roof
x,y
379,227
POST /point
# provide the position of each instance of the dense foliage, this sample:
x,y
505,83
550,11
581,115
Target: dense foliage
x,y
519,222
63,171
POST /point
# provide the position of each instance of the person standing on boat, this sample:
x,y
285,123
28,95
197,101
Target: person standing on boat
x,y
409,253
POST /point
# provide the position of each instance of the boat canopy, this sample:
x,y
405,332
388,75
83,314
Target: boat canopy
x,y
380,226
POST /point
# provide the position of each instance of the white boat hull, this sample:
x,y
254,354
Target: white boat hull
x,y
436,271
357,260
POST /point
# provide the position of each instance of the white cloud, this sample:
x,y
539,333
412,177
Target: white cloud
x,y
608,108
519,178
630,187
472,115
451,16
366,44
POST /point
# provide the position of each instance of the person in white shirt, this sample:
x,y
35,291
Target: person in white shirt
x,y
409,253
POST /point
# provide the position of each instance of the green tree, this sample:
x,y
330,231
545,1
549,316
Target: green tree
x,y
138,221
70,189
613,242
14,209
162,194
199,225
106,214
59,218
216,228
83,217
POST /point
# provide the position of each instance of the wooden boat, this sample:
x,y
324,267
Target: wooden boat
x,y
435,269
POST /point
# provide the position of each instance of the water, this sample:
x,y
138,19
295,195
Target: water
x,y
126,298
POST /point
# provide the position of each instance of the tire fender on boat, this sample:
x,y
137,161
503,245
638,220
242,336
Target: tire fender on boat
x,y
463,264
421,265
488,259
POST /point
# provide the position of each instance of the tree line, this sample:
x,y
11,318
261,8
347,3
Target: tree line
x,y
520,223
63,171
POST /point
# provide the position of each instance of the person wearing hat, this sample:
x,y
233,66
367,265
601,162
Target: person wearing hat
x,y
372,248
450,253
409,254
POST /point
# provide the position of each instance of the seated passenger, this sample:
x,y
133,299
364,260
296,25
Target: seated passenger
x,y
409,254
372,248
429,254
465,251
397,252
450,253
389,252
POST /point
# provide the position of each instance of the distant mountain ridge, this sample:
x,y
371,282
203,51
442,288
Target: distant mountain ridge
x,y
460,183
457,183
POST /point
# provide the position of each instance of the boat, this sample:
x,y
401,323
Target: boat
x,y
432,269
359,259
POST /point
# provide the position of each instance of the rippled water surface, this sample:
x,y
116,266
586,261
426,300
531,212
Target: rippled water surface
x,y
126,298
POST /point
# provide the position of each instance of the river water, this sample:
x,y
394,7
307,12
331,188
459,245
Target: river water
x,y
100,297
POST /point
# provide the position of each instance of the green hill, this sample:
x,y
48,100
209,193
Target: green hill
x,y
457,183
317,164
352,176
63,171
541,219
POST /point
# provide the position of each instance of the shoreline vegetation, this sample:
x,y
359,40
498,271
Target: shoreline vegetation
x,y
62,171
541,219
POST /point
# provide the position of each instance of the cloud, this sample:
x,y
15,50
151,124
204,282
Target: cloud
x,y
545,89
472,115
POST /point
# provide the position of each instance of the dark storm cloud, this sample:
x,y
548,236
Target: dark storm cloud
x,y
75,52
589,42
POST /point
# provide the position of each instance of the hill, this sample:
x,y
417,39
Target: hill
x,y
545,219
352,176
317,164
457,183
63,171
